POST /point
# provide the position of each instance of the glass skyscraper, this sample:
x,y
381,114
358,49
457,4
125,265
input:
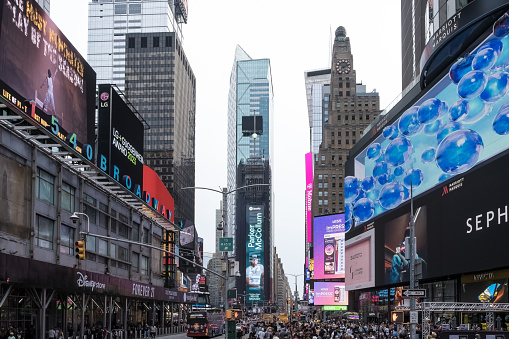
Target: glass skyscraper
x,y
317,88
250,209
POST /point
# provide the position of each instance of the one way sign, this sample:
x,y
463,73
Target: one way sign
x,y
421,293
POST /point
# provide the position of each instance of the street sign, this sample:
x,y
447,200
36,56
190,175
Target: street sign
x,y
414,317
225,244
421,293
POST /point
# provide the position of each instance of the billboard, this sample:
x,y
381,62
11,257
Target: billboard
x,y
120,140
254,254
309,193
156,194
38,64
360,261
329,246
330,293
458,124
188,237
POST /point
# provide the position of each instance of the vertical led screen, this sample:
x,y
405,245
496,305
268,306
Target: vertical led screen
x,y
309,193
120,140
254,254
459,123
39,64
329,246
330,293
359,258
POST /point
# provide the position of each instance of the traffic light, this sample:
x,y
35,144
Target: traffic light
x,y
397,317
80,250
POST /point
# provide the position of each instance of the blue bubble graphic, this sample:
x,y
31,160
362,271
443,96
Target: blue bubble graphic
x,y
398,171
430,110
362,194
472,84
477,109
373,194
501,121
484,59
368,183
444,177
497,87
413,177
364,209
387,131
433,128
380,169
460,68
409,122
494,44
406,193
374,151
501,27
391,195
398,151
383,179
447,129
352,189
458,110
428,155
348,224
459,151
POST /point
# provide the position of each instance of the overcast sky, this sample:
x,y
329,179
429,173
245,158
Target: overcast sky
x,y
296,36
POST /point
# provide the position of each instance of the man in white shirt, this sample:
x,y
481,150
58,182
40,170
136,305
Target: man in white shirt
x,y
254,274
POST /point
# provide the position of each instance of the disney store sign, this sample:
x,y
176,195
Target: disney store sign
x,y
84,282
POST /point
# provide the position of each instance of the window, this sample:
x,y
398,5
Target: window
x,y
144,265
134,8
323,157
346,117
155,41
103,217
326,202
123,253
326,185
113,251
123,230
144,42
120,9
353,133
103,247
367,116
45,186
320,185
90,243
66,239
68,197
320,177
320,193
347,133
332,133
347,93
145,235
44,232
131,42
320,202
168,41
135,235
135,262
325,194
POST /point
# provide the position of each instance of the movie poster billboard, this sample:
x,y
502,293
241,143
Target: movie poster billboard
x,y
330,293
309,193
254,254
329,246
44,76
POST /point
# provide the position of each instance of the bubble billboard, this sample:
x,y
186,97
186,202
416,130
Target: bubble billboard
x,y
461,122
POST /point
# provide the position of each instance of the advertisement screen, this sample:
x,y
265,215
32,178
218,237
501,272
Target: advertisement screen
x,y
459,123
39,64
120,140
309,193
490,291
254,254
330,293
329,246
359,259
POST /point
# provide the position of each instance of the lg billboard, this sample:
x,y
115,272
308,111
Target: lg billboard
x,y
44,76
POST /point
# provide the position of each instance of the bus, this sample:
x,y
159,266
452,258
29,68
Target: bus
x,y
205,323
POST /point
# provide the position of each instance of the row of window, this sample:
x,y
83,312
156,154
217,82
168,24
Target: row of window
x,y
97,249
131,42
326,203
347,133
326,193
352,117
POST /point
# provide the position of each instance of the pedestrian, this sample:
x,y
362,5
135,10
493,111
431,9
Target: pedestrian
x,y
51,333
153,331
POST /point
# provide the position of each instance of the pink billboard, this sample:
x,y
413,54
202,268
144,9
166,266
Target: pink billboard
x,y
360,267
309,191
330,293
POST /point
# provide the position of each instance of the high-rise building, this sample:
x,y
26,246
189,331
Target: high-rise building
x,y
250,209
317,88
137,45
347,110
45,4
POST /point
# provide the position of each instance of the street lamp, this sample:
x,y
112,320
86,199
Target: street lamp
x,y
75,217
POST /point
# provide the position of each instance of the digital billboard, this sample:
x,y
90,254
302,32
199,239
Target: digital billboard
x,y
329,246
330,293
120,140
254,253
309,193
156,194
44,76
359,261
459,123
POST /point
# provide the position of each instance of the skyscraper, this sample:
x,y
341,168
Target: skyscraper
x,y
250,142
347,111
137,45
317,88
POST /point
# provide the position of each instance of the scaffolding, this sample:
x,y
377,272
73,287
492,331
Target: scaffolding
x,y
427,307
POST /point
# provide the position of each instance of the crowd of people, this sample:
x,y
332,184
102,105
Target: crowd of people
x,y
330,329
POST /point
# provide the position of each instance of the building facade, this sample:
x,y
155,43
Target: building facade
x,y
250,209
137,45
317,88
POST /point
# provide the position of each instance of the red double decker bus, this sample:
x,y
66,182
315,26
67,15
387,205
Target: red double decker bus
x,y
205,323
